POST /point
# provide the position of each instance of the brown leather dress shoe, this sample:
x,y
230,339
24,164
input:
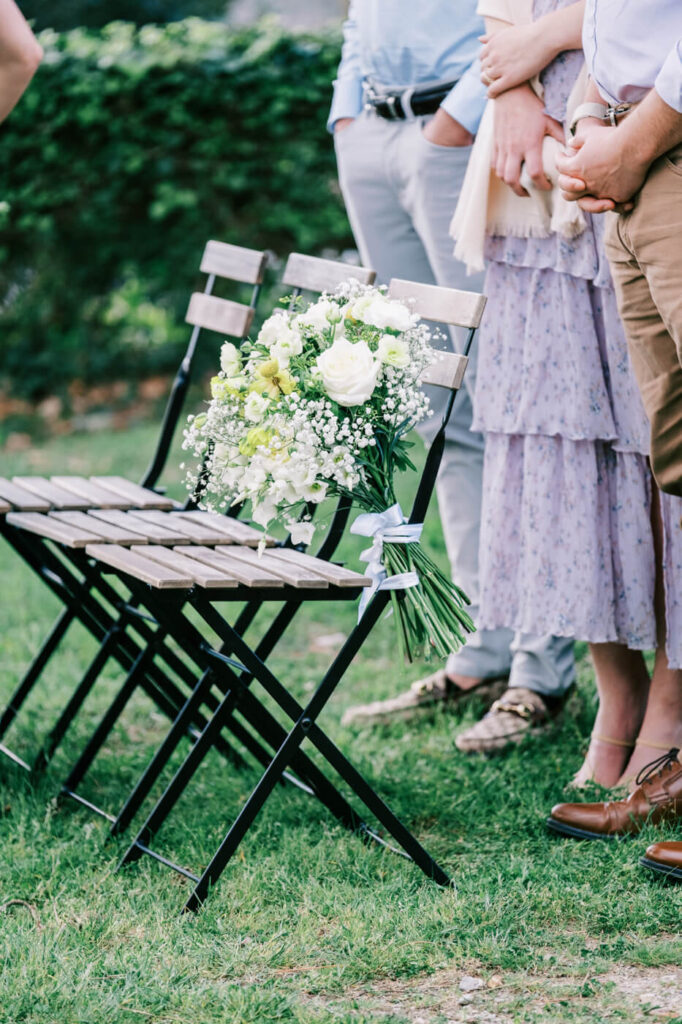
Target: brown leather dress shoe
x,y
658,797
665,859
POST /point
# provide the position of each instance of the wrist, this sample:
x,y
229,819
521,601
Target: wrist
x,y
639,144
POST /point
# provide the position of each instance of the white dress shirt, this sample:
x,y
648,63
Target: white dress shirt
x,y
633,46
400,43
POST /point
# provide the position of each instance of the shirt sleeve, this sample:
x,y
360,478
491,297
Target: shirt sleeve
x,y
467,99
669,81
347,101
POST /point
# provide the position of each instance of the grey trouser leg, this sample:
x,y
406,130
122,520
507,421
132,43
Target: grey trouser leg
x,y
400,191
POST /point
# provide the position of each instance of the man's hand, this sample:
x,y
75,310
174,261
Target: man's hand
x,y
600,171
341,123
520,127
443,130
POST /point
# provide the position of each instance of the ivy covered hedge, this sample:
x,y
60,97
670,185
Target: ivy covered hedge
x,y
130,149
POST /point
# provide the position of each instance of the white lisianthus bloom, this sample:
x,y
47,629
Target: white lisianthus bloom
x,y
320,315
301,533
349,372
289,343
254,407
264,511
273,327
230,359
386,313
393,351
315,491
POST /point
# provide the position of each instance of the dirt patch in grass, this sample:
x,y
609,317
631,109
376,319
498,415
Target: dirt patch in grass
x,y
629,993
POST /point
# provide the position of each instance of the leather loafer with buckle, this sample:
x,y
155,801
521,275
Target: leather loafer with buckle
x,y
665,859
436,690
515,715
658,797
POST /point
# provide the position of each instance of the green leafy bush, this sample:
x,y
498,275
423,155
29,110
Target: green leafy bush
x,y
131,148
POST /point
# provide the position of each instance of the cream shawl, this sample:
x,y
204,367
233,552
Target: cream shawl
x,y
486,205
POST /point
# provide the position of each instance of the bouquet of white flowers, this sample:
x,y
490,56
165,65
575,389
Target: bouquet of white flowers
x,y
319,406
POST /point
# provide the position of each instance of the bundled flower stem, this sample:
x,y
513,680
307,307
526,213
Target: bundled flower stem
x,y
319,406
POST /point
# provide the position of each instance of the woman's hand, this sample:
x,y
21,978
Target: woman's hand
x,y
520,128
512,56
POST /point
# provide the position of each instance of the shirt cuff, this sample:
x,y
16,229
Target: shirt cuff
x,y
669,81
467,99
347,100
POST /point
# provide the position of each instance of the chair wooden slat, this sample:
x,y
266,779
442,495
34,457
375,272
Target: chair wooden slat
x,y
250,576
4,507
202,574
335,574
140,568
446,305
231,529
58,496
293,574
221,315
99,527
446,372
317,275
140,497
21,499
52,529
149,532
98,496
234,262
196,531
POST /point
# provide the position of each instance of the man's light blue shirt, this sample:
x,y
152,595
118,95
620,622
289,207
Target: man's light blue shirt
x,y
401,43
633,46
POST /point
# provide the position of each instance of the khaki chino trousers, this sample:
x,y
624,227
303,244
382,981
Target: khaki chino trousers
x,y
645,252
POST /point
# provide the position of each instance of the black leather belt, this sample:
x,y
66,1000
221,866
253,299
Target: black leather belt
x,y
401,104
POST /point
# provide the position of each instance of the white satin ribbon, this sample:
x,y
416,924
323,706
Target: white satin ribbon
x,y
390,527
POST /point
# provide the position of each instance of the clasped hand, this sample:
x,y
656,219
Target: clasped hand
x,y
596,171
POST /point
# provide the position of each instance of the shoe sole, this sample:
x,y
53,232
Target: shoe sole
x,y
502,743
669,873
580,833
486,691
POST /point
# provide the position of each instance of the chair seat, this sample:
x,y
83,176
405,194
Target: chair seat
x,y
75,493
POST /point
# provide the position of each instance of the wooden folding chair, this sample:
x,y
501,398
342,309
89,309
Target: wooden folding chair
x,y
174,589
43,517
158,531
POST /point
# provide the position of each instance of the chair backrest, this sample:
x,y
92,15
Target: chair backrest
x,y
209,312
313,274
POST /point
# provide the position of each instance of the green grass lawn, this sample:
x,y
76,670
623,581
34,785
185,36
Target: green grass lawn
x,y
307,924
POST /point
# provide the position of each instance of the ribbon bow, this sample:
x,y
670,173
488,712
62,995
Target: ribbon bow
x,y
390,527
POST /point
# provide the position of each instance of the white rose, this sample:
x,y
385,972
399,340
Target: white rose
x,y
254,407
393,351
349,372
386,313
230,359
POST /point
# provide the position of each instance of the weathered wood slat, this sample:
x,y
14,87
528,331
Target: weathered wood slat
x,y
149,532
4,507
193,530
139,497
234,262
317,275
48,491
295,575
221,315
233,529
52,529
335,574
21,499
98,496
202,574
446,372
446,305
140,568
250,576
99,527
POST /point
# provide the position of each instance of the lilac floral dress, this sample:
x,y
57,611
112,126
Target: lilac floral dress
x,y
566,538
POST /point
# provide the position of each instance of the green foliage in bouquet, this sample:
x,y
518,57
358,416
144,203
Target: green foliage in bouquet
x,y
133,147
319,406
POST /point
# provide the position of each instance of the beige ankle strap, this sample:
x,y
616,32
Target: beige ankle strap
x,y
627,744
639,742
